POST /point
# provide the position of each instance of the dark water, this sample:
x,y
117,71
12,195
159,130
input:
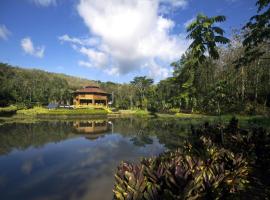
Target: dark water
x,y
77,159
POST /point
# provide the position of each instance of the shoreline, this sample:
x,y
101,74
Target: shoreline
x,y
31,118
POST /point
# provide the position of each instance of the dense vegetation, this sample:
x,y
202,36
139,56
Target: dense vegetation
x,y
28,87
216,162
211,78
215,75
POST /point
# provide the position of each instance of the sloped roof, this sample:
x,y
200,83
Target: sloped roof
x,y
91,89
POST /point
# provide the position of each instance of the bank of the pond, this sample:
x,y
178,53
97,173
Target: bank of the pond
x,y
8,110
12,114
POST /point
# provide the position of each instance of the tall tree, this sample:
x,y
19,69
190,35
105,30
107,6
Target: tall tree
x,y
205,36
257,33
142,84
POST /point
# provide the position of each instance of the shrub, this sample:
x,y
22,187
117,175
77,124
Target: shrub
x,y
216,162
174,110
180,175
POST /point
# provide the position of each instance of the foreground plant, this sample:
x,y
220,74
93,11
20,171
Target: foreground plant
x,y
180,175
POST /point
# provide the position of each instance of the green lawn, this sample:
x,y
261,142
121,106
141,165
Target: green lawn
x,y
36,111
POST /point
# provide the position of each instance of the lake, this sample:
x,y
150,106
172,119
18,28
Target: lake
x,y
77,159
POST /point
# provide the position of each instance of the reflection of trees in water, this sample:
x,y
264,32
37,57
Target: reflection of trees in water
x,y
141,131
22,136
141,139
170,132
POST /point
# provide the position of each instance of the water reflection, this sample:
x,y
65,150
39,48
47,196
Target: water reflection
x,y
92,126
77,159
92,129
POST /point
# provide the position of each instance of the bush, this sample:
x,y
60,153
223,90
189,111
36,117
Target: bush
x,y
216,162
174,110
255,109
178,175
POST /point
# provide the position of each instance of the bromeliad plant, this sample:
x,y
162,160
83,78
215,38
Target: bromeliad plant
x,y
219,174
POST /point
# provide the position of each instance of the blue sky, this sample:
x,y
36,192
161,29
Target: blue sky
x,y
108,40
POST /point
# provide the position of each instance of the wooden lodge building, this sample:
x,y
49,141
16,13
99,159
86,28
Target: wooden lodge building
x,y
90,96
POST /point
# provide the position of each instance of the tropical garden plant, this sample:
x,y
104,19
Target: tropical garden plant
x,y
216,162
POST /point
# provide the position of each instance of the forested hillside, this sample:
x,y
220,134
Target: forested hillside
x,y
32,86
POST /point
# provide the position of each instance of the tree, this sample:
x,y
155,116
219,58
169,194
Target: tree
x,y
142,84
205,36
257,33
258,27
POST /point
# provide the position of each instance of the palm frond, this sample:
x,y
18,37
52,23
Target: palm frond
x,y
220,18
221,39
218,30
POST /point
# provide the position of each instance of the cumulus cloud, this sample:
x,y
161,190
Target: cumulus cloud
x,y
132,35
44,3
4,32
29,48
97,58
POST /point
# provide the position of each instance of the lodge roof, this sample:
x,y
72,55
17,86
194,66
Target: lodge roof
x,y
91,89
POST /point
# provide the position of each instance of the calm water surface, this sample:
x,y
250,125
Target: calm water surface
x,y
78,159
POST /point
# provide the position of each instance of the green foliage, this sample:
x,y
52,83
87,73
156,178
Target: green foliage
x,y
180,174
205,36
259,26
40,111
216,162
257,33
142,86
28,87
9,109
174,110
205,80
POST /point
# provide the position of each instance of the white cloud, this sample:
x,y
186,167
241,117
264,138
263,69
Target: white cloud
x,y
29,48
188,22
113,71
4,32
44,3
85,63
79,41
169,6
97,58
176,3
131,35
156,70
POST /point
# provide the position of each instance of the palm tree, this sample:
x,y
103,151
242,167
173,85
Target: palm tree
x,y
205,36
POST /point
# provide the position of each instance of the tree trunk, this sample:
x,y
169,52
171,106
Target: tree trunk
x,y
256,82
243,84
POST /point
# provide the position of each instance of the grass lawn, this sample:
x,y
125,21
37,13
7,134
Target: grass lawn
x,y
36,111
136,112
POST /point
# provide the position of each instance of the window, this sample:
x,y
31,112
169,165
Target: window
x,y
85,101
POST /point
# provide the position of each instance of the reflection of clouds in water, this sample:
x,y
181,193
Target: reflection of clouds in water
x,y
3,180
77,168
100,162
28,165
95,189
